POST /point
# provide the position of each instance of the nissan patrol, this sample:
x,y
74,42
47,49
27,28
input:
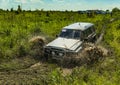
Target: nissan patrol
x,y
70,40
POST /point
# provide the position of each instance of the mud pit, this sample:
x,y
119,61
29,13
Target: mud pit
x,y
90,54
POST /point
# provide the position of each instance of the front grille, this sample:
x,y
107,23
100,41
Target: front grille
x,y
54,51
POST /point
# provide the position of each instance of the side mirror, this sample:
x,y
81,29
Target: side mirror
x,y
56,35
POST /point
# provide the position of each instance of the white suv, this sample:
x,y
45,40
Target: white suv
x,y
70,40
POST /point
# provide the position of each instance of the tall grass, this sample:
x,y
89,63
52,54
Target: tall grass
x,y
16,29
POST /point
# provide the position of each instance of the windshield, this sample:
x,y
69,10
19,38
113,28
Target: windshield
x,y
70,33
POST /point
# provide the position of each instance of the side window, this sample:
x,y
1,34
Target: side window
x,y
92,29
88,31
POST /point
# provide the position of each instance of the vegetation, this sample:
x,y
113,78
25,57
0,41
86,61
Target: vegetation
x,y
17,27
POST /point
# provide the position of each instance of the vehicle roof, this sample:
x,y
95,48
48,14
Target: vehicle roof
x,y
79,26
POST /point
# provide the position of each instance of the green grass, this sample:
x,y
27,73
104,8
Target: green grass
x,y
16,29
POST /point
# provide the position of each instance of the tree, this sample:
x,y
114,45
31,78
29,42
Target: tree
x,y
107,11
19,9
114,10
1,9
11,9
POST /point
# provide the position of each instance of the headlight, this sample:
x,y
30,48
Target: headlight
x,y
53,53
61,54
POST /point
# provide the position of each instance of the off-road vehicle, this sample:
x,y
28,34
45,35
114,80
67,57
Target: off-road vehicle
x,y
70,40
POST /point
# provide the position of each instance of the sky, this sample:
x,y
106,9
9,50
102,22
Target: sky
x,y
61,5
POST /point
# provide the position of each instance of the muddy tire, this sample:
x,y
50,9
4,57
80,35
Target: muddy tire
x,y
94,39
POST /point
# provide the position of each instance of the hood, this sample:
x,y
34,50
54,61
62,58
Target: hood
x,y
71,44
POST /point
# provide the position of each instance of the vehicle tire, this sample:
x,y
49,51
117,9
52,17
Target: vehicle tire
x,y
94,39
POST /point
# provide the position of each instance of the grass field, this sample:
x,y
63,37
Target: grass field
x,y
17,57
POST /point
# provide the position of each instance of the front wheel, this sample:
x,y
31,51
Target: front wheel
x,y
94,39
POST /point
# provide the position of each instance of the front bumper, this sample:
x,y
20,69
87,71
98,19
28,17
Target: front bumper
x,y
56,53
